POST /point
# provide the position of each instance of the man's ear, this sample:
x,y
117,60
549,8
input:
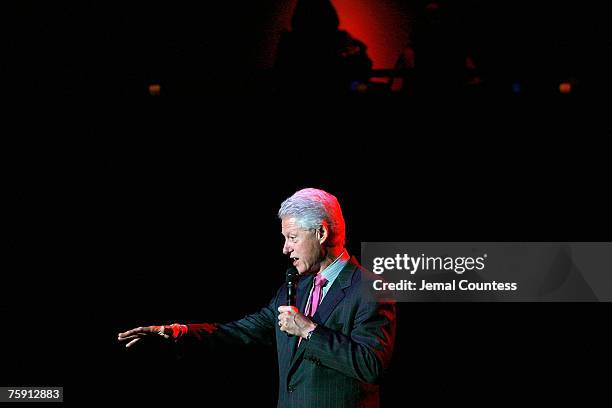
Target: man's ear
x,y
322,234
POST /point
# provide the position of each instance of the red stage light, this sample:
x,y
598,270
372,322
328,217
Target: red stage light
x,y
154,89
378,23
565,87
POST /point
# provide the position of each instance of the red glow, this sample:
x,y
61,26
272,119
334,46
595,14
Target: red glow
x,y
201,330
378,24
154,89
565,87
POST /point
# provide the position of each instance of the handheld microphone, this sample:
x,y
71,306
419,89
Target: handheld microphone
x,y
291,281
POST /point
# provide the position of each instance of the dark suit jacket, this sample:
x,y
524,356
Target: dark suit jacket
x,y
346,355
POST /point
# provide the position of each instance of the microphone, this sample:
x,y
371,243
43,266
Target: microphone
x,y
291,281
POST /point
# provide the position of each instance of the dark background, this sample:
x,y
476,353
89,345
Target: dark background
x,y
198,50
131,210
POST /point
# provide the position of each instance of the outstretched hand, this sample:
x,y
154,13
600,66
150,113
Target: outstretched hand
x,y
135,335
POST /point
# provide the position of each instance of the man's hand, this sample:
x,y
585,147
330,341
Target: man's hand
x,y
291,321
141,332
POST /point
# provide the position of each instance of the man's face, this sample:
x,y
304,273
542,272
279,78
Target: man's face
x,y
302,246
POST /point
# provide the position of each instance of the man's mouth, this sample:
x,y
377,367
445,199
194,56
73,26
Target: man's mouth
x,y
295,261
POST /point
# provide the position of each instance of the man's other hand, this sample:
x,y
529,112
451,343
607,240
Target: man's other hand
x,y
291,321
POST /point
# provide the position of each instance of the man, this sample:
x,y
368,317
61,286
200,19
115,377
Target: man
x,y
335,345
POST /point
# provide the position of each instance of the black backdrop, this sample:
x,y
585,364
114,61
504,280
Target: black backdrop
x,y
155,231
163,210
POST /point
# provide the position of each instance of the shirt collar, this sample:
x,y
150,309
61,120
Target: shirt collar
x,y
334,268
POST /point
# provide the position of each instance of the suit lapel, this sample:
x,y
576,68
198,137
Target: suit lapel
x,y
335,294
303,290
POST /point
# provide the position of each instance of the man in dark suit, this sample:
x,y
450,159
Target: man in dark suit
x,y
335,345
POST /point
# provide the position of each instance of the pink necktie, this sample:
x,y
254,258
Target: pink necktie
x,y
317,292
311,308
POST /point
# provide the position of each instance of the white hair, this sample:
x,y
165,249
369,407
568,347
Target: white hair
x,y
312,208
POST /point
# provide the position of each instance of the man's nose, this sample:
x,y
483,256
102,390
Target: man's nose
x,y
287,249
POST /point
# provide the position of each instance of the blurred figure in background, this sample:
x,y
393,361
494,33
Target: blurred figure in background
x,y
316,57
438,60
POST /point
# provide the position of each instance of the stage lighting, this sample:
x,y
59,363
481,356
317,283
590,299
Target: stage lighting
x,y
154,89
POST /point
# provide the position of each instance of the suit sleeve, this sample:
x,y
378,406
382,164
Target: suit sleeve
x,y
256,328
366,353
